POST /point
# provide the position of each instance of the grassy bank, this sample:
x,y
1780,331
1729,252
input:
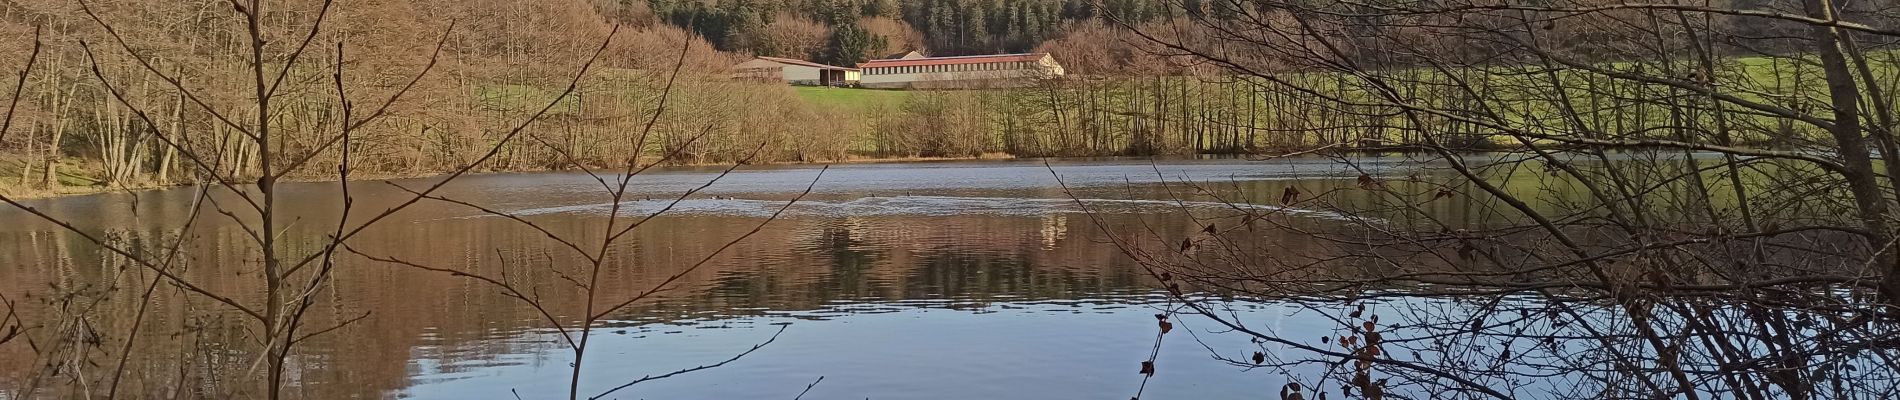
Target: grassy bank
x,y
857,101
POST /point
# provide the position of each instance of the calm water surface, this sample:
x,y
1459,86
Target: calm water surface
x,y
892,281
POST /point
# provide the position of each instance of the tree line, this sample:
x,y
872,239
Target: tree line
x,y
852,31
1684,200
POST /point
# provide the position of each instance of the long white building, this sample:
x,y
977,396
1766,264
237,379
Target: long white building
x,y
966,72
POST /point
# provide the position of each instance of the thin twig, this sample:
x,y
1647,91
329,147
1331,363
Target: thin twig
x,y
6,124
650,378
801,394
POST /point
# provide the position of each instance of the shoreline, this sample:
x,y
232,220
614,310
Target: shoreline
x,y
80,191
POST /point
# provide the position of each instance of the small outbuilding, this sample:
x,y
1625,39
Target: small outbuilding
x,y
796,72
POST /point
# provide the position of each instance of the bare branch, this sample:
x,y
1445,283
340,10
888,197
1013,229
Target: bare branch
x,y
13,104
650,378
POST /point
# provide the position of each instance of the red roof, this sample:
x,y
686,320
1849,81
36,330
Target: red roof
x,y
955,60
803,62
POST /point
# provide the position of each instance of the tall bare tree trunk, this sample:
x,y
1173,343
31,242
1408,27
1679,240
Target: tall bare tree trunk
x,y
49,177
175,137
1844,95
26,161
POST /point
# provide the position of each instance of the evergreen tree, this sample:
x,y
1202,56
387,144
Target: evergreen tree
x,y
851,44
881,8
976,32
1078,9
949,27
835,12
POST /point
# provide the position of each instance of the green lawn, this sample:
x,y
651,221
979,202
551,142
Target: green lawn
x,y
860,101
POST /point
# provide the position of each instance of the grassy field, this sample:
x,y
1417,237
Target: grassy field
x,y
1518,97
859,101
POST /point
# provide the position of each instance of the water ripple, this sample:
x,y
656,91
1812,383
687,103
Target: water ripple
x,y
915,206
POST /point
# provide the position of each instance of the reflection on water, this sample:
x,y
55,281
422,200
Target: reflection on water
x,y
945,280
898,206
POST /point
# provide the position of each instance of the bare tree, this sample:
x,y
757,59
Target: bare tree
x,y
597,256
11,326
1686,203
291,281
266,136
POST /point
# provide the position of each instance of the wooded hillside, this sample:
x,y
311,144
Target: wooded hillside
x,y
499,61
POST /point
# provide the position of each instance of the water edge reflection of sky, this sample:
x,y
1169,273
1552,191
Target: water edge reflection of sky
x,y
893,281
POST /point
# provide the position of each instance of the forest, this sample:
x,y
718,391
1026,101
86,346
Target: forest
x,y
847,32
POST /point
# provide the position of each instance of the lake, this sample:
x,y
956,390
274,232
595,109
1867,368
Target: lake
x,y
979,279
